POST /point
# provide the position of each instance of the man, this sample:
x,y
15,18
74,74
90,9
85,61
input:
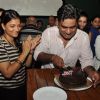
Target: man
x,y
51,21
62,46
30,23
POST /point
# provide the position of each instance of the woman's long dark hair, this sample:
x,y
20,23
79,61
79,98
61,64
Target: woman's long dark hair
x,y
1,11
7,16
87,27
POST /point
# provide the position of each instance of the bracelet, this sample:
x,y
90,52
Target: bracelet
x,y
19,62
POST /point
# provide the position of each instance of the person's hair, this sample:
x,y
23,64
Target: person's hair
x,y
8,15
83,13
95,16
52,16
67,11
2,10
40,21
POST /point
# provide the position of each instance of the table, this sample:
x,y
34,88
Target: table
x,y
37,78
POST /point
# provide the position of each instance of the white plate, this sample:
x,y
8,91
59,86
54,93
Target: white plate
x,y
87,86
50,93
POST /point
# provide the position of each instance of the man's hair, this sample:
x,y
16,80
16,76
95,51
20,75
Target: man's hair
x,y
67,11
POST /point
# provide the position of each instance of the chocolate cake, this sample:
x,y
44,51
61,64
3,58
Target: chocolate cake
x,y
72,77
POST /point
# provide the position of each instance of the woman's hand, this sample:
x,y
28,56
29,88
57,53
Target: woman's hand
x,y
34,42
26,45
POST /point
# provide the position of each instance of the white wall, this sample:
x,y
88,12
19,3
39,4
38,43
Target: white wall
x,y
32,7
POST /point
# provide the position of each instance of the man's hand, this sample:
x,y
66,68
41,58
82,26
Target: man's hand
x,y
57,61
93,74
95,78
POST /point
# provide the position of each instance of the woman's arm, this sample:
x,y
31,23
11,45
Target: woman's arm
x,y
8,69
34,42
90,35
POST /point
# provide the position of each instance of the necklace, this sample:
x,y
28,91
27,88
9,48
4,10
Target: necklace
x,y
9,41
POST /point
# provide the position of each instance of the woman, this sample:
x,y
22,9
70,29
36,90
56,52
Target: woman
x,y
13,60
83,22
94,31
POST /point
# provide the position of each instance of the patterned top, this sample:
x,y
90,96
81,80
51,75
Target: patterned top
x,y
10,53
